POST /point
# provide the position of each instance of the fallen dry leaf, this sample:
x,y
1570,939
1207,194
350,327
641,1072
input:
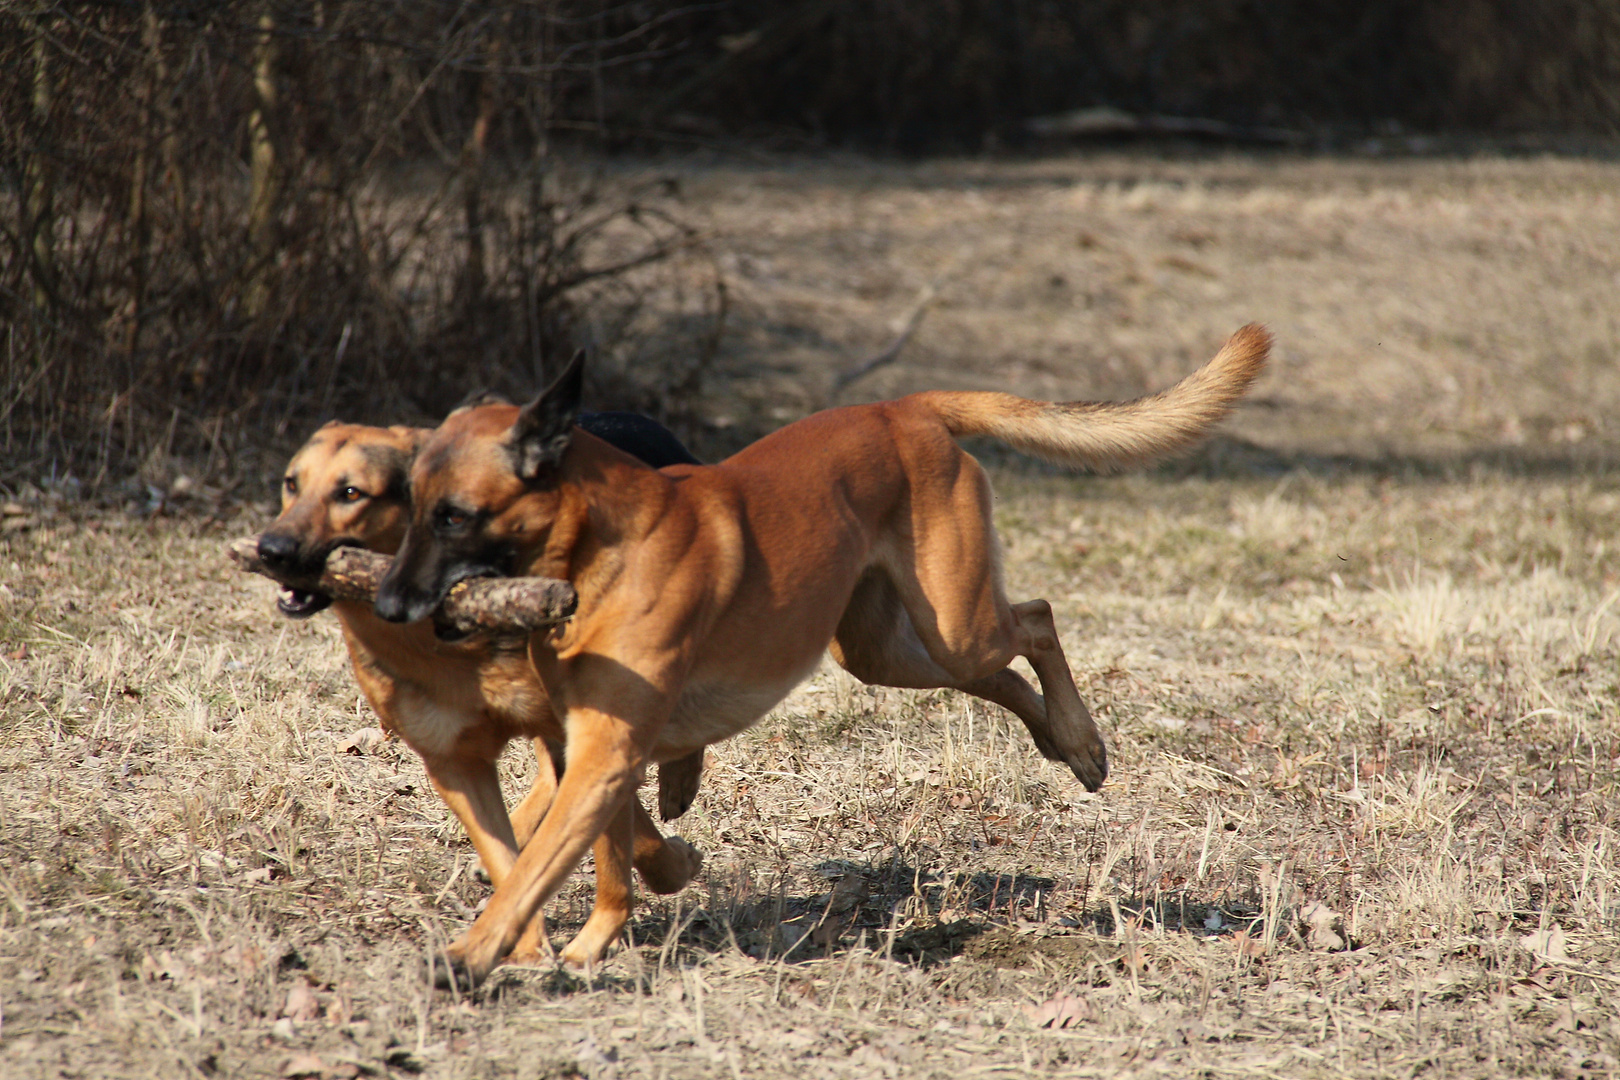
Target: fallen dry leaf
x,y
364,741
1323,928
303,1065
302,1004
1549,944
1061,1011
1249,944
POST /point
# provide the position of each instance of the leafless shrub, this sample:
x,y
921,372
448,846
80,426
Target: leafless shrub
x,y
229,220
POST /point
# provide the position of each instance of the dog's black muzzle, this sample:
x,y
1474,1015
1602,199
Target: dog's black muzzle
x,y
285,556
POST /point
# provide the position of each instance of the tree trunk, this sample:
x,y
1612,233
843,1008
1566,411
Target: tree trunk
x,y
39,180
140,225
265,167
473,275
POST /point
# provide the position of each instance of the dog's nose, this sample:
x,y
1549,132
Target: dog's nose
x,y
278,551
391,604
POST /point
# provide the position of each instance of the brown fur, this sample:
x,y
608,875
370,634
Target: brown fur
x,y
456,704
707,593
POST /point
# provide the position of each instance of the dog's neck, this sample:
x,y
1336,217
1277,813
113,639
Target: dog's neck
x,y
604,499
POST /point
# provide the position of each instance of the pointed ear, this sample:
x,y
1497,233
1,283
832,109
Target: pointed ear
x,y
413,437
545,425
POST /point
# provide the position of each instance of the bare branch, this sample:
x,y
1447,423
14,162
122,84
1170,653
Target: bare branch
x,y
908,326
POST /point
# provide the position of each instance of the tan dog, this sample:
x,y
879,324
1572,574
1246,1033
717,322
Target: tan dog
x,y
707,593
455,703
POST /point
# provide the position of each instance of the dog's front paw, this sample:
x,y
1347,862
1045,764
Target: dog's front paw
x,y
533,949
693,857
462,967
532,958
1089,763
580,956
676,863
678,785
452,973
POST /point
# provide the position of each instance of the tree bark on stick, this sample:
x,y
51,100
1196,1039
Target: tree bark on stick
x,y
484,606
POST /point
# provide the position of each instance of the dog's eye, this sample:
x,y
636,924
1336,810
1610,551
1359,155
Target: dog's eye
x,y
291,484
450,518
351,494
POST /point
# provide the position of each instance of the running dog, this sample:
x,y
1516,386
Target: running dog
x,y
707,593
458,703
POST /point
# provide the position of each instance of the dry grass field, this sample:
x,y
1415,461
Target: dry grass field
x,y
1357,662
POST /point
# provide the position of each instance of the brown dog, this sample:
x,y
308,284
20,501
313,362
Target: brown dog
x,y
707,593
455,703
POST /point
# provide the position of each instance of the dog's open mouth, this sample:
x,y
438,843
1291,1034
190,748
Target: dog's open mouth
x,y
301,603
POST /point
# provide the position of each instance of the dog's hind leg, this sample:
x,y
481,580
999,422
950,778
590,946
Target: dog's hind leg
x,y
934,613
878,643
1059,722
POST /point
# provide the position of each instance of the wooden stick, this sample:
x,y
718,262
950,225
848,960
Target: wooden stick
x,y
483,606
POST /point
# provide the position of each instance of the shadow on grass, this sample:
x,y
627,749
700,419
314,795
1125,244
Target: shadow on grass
x,y
918,916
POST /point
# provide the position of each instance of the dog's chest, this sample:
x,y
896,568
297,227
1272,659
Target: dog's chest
x,y
487,699
428,725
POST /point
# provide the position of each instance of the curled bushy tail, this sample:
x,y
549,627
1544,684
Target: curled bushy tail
x,y
1109,435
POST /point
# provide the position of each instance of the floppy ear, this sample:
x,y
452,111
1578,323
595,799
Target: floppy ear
x,y
545,425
